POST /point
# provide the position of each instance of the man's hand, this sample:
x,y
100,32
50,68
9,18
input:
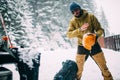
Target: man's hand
x,y
84,26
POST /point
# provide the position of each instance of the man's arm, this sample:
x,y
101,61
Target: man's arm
x,y
97,27
72,31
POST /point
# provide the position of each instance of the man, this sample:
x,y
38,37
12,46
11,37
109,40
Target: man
x,y
84,23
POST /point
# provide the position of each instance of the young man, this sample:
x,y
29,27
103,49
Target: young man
x,y
82,23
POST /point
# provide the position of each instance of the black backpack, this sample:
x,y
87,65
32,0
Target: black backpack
x,y
68,71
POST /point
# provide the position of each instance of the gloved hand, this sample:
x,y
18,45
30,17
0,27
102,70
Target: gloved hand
x,y
4,38
89,39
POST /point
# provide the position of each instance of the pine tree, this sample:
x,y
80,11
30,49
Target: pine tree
x,y
11,12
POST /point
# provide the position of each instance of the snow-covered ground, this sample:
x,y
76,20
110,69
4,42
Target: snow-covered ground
x,y
51,63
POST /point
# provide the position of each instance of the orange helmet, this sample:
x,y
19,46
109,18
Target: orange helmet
x,y
89,40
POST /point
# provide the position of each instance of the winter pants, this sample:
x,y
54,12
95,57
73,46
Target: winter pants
x,y
100,61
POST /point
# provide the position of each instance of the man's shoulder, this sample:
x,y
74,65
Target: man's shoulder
x,y
72,19
91,14
88,13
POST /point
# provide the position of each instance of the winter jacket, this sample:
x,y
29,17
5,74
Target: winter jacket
x,y
76,23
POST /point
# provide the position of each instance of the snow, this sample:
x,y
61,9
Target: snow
x,y
51,63
28,55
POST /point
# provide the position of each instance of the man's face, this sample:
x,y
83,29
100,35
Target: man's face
x,y
76,12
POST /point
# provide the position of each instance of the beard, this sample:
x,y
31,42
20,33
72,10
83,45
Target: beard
x,y
79,14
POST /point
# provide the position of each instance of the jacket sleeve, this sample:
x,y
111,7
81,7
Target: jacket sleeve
x,y
97,27
72,31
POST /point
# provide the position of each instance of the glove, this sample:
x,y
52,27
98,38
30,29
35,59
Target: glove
x,y
89,40
4,38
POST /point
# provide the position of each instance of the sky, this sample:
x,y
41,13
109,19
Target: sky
x,y
112,12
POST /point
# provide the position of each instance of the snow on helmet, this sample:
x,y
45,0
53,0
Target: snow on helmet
x,y
74,6
89,40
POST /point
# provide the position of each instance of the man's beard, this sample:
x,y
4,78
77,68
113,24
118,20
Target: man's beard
x,y
80,14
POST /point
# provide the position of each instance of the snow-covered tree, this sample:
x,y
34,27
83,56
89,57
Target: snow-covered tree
x,y
13,20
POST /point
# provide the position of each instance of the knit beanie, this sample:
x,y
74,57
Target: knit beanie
x,y
74,6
